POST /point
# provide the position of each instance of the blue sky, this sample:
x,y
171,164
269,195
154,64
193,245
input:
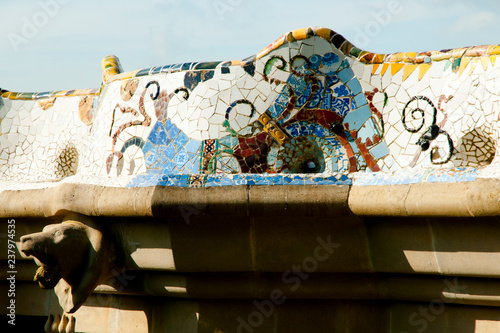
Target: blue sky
x,y
58,44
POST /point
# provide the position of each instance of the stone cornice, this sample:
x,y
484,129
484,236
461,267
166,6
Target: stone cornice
x,y
466,199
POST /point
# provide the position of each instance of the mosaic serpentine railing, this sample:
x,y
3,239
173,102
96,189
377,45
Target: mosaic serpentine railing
x,y
311,108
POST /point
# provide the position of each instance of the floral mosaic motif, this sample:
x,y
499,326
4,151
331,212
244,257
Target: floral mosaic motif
x,y
128,89
49,102
85,108
309,103
414,120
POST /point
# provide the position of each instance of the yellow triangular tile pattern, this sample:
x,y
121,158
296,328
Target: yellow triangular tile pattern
x,y
423,69
396,68
408,70
484,62
384,69
465,62
472,66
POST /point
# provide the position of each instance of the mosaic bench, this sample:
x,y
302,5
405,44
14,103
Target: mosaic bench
x,y
311,108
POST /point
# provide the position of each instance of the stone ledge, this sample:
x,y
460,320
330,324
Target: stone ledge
x,y
478,198
468,199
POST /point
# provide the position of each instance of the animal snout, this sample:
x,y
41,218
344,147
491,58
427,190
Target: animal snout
x,y
29,245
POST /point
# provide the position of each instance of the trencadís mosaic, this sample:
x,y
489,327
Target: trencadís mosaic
x,y
311,108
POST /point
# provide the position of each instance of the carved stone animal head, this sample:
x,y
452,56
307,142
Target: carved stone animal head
x,y
74,257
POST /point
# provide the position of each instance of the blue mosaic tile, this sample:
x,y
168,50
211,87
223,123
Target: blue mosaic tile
x,y
239,179
297,180
326,104
193,146
173,132
354,86
181,140
360,100
345,76
170,151
168,168
158,135
341,106
226,181
309,181
277,180
181,159
213,180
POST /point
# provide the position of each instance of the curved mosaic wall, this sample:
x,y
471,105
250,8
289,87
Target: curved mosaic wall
x,y
311,108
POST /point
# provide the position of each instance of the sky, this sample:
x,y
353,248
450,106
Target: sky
x,y
58,44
